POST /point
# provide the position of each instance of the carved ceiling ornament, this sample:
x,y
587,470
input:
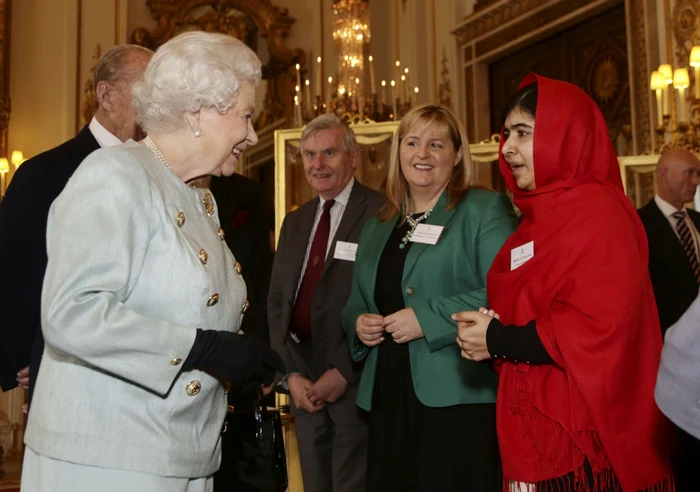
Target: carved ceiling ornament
x,y
247,20
503,11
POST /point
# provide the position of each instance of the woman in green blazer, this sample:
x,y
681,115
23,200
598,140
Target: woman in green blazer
x,y
423,258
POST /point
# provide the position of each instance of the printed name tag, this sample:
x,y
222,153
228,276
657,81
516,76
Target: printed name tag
x,y
426,234
345,251
521,254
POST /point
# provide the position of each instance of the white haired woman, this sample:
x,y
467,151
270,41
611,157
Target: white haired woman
x,y
142,300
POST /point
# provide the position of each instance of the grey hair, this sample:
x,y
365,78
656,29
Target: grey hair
x,y
193,70
328,121
114,65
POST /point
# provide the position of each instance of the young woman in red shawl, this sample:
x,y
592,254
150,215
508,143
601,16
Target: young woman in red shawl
x,y
579,343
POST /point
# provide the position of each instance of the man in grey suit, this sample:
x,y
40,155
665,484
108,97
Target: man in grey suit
x,y
311,277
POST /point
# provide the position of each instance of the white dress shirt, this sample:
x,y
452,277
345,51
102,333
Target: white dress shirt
x,y
337,210
668,210
102,135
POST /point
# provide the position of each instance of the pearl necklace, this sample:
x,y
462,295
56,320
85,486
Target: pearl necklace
x,y
156,152
413,223
207,199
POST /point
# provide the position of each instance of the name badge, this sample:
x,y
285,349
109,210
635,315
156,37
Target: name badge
x,y
521,255
426,234
345,251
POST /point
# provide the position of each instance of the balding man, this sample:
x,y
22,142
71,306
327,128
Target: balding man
x,y
672,231
24,211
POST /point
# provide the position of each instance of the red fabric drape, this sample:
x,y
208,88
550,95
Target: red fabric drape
x,y
588,289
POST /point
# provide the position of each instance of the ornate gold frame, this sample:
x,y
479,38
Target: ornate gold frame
x,y
260,16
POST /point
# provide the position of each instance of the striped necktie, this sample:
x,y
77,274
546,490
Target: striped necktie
x,y
687,242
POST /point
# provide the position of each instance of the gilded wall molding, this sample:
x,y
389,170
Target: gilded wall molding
x,y
5,103
484,20
639,76
686,30
445,89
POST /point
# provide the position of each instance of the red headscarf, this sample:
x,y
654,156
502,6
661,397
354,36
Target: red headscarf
x,y
588,288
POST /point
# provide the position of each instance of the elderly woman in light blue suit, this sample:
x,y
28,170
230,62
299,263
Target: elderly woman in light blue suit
x,y
142,299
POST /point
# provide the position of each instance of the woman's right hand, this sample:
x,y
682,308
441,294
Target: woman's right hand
x,y
370,329
490,312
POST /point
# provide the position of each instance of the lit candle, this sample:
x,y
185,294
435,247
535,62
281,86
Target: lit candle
x,y
658,84
319,78
383,91
307,87
298,75
416,90
297,112
4,169
330,93
695,63
372,85
404,88
681,81
666,72
393,98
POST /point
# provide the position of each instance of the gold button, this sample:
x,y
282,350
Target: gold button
x,y
213,300
244,308
221,233
410,291
237,267
193,387
181,219
227,387
176,361
203,256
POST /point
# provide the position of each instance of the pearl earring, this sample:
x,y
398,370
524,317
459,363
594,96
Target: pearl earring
x,y
197,134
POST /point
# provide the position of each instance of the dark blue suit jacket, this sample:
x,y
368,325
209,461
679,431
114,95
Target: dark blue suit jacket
x,y
23,216
675,286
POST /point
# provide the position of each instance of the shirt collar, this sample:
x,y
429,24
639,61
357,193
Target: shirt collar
x,y
666,208
343,197
102,135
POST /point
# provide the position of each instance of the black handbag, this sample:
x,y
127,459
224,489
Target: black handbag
x,y
253,458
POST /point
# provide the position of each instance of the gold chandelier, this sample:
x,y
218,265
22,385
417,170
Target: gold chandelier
x,y
347,94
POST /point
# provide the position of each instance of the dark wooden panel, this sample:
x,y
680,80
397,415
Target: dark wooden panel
x,y
592,55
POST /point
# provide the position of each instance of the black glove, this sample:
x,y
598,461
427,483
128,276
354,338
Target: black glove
x,y
233,357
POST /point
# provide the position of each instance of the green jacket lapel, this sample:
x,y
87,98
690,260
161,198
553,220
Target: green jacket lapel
x,y
439,216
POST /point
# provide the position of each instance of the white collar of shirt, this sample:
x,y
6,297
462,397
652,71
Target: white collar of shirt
x,y
666,208
342,197
102,135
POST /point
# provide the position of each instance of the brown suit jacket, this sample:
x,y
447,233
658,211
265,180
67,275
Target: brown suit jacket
x,y
329,344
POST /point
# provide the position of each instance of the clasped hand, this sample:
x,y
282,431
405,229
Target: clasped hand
x,y
312,397
471,328
403,326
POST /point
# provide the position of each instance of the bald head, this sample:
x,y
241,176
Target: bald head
x,y
677,175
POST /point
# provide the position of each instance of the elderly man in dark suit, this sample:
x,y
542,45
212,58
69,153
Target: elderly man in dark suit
x,y
24,211
672,232
311,277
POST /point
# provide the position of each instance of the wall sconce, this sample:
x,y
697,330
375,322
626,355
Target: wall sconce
x,y
4,169
17,158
